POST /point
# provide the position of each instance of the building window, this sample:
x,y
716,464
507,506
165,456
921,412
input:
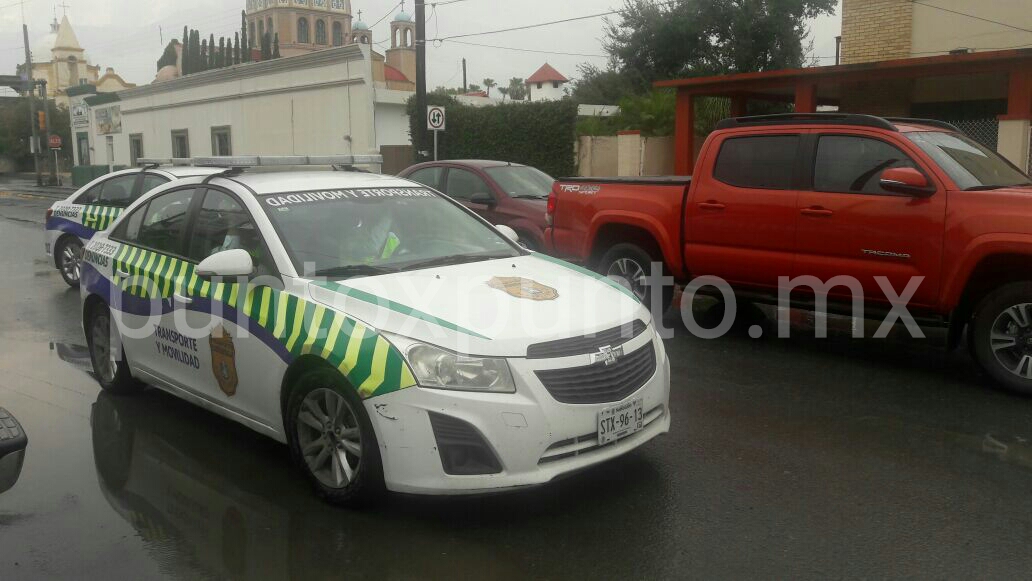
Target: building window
x,y
135,148
268,25
180,143
539,85
302,30
338,34
555,84
261,30
320,31
84,81
221,141
250,39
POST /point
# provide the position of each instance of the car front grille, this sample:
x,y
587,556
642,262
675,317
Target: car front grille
x,y
586,343
598,382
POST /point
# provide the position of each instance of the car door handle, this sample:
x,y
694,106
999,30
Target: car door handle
x,y
711,205
817,212
182,299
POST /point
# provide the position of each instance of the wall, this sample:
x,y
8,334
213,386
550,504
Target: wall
x,y
547,92
317,103
392,121
938,31
874,30
629,154
596,156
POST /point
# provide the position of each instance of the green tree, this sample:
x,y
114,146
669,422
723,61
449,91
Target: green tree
x,y
236,48
168,57
186,52
473,87
204,55
266,47
597,86
245,45
489,82
221,59
654,40
196,62
275,46
504,91
212,63
517,89
15,131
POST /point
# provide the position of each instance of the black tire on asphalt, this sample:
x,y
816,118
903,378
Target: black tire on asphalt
x,y
991,312
69,273
624,254
99,325
367,487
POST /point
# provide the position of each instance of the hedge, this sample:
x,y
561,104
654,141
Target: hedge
x,y
538,134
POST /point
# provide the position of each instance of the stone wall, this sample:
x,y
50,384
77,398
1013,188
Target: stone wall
x,y
876,30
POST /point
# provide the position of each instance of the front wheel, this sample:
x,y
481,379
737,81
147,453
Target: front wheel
x,y
69,254
332,439
1002,336
109,364
630,266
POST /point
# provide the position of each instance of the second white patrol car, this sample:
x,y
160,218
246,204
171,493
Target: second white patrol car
x,y
390,337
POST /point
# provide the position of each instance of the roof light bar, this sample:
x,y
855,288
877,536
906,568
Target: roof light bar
x,y
284,160
153,161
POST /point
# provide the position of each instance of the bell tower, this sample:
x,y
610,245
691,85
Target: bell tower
x,y
402,54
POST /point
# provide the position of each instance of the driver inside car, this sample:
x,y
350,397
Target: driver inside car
x,y
370,239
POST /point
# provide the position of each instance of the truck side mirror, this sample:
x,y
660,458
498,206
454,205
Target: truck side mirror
x,y
906,180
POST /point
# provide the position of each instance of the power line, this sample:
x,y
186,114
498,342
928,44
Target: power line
x,y
970,16
515,28
389,12
513,48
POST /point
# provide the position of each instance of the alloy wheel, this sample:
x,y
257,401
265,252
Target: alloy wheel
x,y
1011,339
70,256
629,273
330,437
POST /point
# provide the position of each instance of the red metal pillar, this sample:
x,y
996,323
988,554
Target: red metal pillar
x,y
806,97
739,105
684,133
1019,94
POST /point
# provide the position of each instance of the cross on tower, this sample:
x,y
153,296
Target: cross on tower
x,y
64,7
360,15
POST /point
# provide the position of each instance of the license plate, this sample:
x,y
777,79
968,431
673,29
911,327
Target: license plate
x,y
620,421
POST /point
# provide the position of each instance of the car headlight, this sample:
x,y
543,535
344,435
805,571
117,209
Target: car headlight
x,y
436,368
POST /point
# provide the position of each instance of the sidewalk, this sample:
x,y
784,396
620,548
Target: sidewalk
x,y
26,184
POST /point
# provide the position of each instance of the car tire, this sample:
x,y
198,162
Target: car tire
x,y
324,445
111,372
527,242
623,261
68,255
1001,335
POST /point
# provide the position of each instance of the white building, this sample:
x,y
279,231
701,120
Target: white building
x,y
546,84
325,102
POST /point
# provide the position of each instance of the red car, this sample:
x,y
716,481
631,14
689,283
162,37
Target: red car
x,y
887,202
502,193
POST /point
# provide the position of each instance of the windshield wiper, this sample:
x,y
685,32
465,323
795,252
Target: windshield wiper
x,y
982,188
454,259
350,270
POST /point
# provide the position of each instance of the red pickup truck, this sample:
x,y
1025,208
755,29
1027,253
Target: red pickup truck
x,y
824,195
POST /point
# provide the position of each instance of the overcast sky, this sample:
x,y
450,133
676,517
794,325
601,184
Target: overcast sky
x,y
129,35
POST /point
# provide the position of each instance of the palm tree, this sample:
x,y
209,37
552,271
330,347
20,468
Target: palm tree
x,y
504,91
489,83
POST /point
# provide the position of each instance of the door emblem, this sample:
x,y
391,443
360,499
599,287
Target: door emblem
x,y
886,254
607,354
523,288
223,360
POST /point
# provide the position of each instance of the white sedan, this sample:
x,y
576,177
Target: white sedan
x,y
390,337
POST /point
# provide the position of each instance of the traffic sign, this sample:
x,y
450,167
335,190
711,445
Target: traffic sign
x,y
55,142
435,118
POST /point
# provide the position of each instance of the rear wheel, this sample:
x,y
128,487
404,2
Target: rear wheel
x,y
106,353
630,266
332,439
69,253
1001,334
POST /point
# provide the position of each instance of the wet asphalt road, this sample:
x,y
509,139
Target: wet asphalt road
x,y
787,458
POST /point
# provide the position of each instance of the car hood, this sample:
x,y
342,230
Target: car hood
x,y
495,307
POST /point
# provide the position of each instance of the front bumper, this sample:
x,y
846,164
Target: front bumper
x,y
534,437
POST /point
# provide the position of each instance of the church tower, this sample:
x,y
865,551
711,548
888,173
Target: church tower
x,y
402,54
302,25
361,34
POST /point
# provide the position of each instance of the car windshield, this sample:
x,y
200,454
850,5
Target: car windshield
x,y
971,165
520,181
360,232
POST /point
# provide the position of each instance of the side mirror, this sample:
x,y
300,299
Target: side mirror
x,y
509,232
235,262
906,180
482,198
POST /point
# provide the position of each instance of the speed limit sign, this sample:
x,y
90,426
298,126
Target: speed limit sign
x,y
435,118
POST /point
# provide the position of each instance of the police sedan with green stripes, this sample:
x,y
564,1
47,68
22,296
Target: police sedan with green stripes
x,y
72,222
393,339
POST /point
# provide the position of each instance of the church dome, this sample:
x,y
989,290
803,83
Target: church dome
x,y
403,17
360,26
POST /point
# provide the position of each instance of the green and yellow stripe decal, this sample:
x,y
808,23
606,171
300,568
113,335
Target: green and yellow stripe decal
x,y
371,364
99,217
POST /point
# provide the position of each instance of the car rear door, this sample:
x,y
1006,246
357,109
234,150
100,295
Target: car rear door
x,y
849,225
742,216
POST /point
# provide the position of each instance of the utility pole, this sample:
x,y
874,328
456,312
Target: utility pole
x,y
49,126
30,92
421,67
465,87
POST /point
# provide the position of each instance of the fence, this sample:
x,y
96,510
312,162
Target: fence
x,y
985,131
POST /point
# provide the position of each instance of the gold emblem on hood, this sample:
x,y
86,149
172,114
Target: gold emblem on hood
x,y
223,360
523,288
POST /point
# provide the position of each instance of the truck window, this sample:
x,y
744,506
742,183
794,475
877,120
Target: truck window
x,y
851,164
761,161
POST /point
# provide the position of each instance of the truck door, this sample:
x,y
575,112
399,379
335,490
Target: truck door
x,y
849,225
742,213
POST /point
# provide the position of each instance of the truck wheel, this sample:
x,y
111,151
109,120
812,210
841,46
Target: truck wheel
x,y
332,439
1002,336
69,253
629,265
109,363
